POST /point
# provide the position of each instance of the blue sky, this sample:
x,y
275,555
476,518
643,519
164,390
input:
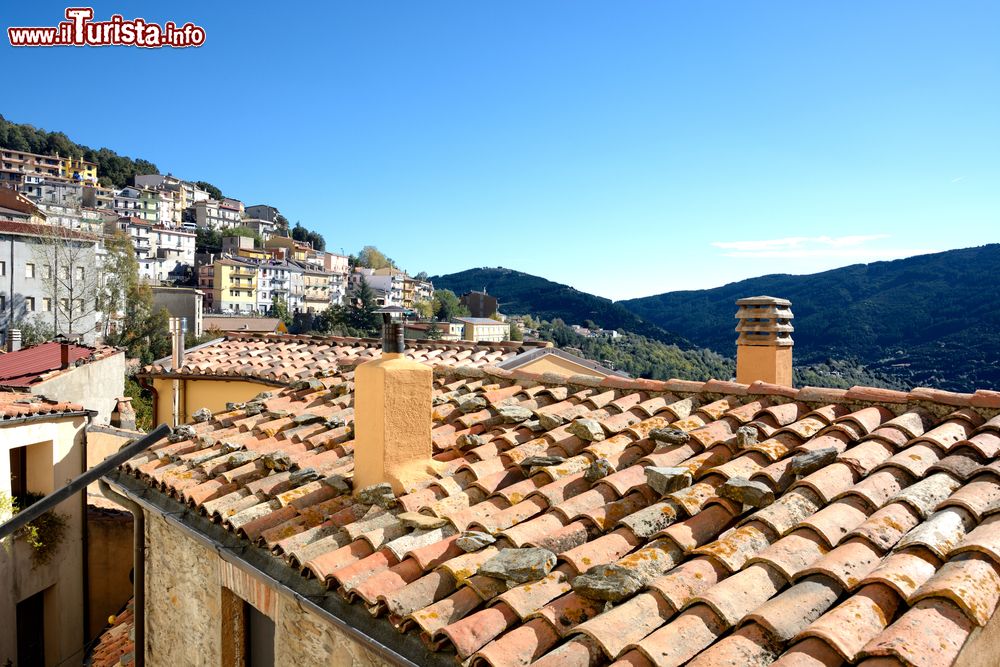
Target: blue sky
x,y
625,148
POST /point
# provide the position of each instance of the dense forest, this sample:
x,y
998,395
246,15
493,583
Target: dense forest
x,y
643,357
640,356
113,169
682,353
524,293
931,320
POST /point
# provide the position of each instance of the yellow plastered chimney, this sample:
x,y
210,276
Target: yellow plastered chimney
x,y
764,345
392,422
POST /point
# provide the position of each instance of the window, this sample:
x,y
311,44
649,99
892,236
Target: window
x,y
79,305
46,271
29,270
64,304
30,614
79,273
64,273
46,304
29,304
3,268
247,633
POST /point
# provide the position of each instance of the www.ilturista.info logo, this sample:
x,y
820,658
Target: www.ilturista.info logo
x,y
81,30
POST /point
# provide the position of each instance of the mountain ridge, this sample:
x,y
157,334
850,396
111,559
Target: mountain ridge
x,y
524,293
931,319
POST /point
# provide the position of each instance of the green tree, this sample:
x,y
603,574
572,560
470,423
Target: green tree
x,y
35,331
447,305
144,330
515,333
207,239
425,309
113,169
300,233
213,192
372,258
361,314
119,275
279,309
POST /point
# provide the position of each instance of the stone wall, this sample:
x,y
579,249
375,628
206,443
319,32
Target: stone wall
x,y
182,599
109,562
185,600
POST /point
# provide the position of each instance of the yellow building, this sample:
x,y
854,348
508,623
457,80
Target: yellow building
x,y
316,297
483,328
78,169
230,286
293,249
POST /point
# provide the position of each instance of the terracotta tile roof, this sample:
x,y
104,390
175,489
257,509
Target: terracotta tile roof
x,y
758,524
117,644
255,324
17,405
29,229
32,365
285,359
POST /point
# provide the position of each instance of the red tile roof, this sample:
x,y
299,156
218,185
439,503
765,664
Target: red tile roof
x,y
42,362
28,229
18,405
285,359
875,528
117,643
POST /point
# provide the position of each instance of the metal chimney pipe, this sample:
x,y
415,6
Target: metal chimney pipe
x,y
177,360
13,340
392,335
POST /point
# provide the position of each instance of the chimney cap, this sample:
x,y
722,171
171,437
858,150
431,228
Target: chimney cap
x,y
763,301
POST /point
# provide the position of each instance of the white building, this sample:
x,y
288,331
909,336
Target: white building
x,y
163,253
391,286
127,203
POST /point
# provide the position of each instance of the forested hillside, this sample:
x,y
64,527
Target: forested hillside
x,y
523,293
112,168
929,320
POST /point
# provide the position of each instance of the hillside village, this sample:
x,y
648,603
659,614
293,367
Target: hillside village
x,y
328,461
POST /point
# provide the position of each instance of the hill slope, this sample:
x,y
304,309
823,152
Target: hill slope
x,y
113,169
927,320
525,294
646,350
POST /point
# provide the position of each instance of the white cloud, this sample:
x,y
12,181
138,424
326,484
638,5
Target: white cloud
x,y
855,247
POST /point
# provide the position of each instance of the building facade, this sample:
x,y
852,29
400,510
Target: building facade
x,y
230,286
48,277
42,600
483,328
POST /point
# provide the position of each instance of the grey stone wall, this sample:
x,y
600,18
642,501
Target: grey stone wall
x,y
184,605
182,599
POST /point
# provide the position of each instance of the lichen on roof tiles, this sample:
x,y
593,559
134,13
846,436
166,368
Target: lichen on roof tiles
x,y
884,530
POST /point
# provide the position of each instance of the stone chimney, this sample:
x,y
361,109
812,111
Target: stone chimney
x,y
64,355
764,345
124,414
392,417
13,340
